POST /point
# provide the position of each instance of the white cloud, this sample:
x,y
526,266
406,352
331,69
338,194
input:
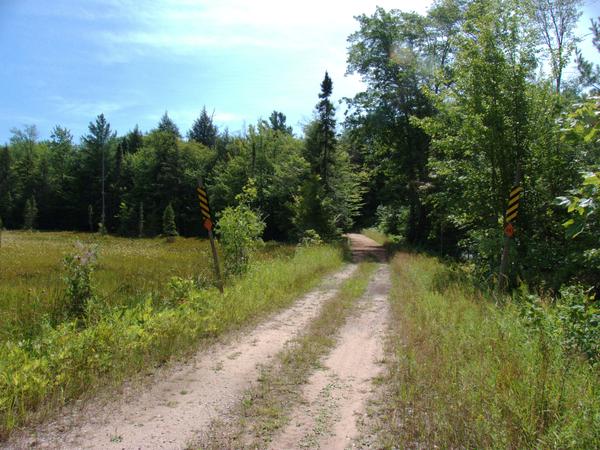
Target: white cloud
x,y
181,26
84,108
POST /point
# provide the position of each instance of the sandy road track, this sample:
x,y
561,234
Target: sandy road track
x,y
336,397
180,402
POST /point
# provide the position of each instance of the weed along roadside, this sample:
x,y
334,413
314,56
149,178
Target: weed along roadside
x,y
65,360
463,372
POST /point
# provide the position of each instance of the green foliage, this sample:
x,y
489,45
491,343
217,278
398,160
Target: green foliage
x,y
64,361
168,222
141,220
126,216
274,161
30,214
467,373
79,268
203,130
240,230
166,125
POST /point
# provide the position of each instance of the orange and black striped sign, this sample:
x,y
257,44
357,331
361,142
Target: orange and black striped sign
x,y
513,204
204,208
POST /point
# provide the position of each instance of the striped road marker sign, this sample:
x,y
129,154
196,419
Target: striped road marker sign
x,y
204,208
513,204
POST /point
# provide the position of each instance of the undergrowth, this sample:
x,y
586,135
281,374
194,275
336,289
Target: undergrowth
x,y
469,374
64,361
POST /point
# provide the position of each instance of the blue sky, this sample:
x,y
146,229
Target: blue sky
x,y
66,61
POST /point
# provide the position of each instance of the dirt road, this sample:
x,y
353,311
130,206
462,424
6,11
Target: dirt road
x,y
335,397
177,404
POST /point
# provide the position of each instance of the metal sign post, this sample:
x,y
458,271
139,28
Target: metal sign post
x,y
208,224
509,232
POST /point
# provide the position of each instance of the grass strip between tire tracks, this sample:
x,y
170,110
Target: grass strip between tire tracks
x,y
266,407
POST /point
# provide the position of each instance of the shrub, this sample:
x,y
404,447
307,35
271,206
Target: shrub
x,y
79,268
239,230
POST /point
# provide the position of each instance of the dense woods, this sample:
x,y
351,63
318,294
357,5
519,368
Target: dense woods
x,y
459,105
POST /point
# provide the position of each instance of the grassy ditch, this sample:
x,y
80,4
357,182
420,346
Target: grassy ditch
x,y
266,408
65,360
468,374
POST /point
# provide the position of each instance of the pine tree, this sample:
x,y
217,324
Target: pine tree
x,y
91,218
97,147
320,145
169,226
6,184
277,122
203,130
30,214
168,126
141,221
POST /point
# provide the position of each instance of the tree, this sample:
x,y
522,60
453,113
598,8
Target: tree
x,y
141,221
556,20
203,130
169,227
6,185
320,143
167,125
97,145
30,214
401,58
589,74
277,122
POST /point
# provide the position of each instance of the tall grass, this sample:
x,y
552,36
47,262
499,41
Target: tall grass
x,y
469,374
32,288
63,361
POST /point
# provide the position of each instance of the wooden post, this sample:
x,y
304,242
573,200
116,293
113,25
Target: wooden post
x,y
215,260
509,217
208,224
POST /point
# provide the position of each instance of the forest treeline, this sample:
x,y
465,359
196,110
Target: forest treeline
x,y
460,104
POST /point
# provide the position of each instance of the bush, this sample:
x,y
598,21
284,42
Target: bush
x,y
240,230
79,268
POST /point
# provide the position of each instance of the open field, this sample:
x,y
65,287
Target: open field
x,y
62,360
32,286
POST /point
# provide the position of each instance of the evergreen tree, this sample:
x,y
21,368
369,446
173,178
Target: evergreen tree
x,y
90,218
320,144
97,153
134,140
168,223
203,130
277,122
168,126
141,221
6,185
30,214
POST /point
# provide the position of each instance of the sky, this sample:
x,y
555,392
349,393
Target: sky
x,y
63,62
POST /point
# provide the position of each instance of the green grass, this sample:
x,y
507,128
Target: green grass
x,y
266,408
63,361
468,374
31,273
